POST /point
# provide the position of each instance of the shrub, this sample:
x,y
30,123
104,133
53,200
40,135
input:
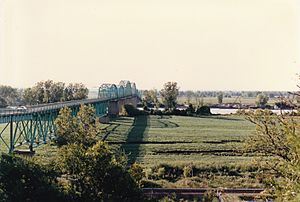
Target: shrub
x,y
94,174
209,196
204,110
23,180
130,110
136,171
188,171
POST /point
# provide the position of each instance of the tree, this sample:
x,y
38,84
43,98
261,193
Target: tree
x,y
9,95
50,91
29,96
261,100
150,97
189,94
220,98
47,93
81,129
39,92
75,91
56,91
93,172
3,102
277,136
169,94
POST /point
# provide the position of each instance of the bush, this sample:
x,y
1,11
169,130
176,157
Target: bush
x,y
204,110
94,174
168,172
130,110
23,180
209,196
136,171
188,171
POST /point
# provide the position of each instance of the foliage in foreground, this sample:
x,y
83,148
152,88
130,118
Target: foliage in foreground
x,y
85,169
23,180
277,136
95,174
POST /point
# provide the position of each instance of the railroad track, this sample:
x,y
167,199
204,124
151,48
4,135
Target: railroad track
x,y
197,192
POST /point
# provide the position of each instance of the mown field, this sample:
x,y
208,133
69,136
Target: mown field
x,y
175,139
167,146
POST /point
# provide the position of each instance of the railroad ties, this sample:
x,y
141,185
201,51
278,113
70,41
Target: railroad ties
x,y
192,193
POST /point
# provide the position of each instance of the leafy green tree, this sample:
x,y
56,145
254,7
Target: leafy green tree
x,y
150,96
262,100
94,174
81,129
91,170
47,93
39,92
169,94
29,96
57,91
75,91
81,92
9,95
3,102
277,136
50,91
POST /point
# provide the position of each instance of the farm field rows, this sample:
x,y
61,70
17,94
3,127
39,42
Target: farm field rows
x,y
181,139
210,144
165,145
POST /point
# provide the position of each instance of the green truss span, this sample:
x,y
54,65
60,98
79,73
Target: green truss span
x,y
35,126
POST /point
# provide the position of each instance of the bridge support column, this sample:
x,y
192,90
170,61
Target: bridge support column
x,y
113,108
132,101
11,137
121,104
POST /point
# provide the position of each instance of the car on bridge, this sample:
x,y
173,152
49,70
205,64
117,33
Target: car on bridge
x,y
11,107
23,108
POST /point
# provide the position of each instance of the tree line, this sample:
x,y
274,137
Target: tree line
x,y
42,92
228,94
170,92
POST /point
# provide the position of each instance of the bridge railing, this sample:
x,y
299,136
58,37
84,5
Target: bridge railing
x,y
52,106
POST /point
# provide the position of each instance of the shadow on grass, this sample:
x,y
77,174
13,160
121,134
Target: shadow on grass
x,y
135,134
108,132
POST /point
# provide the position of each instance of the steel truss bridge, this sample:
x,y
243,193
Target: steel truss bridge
x,y
35,126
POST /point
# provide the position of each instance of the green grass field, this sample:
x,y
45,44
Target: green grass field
x,y
210,144
165,145
180,140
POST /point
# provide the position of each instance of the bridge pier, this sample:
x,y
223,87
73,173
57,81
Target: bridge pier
x,y
113,108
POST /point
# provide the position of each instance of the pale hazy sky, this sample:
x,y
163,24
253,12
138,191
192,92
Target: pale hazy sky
x,y
201,44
